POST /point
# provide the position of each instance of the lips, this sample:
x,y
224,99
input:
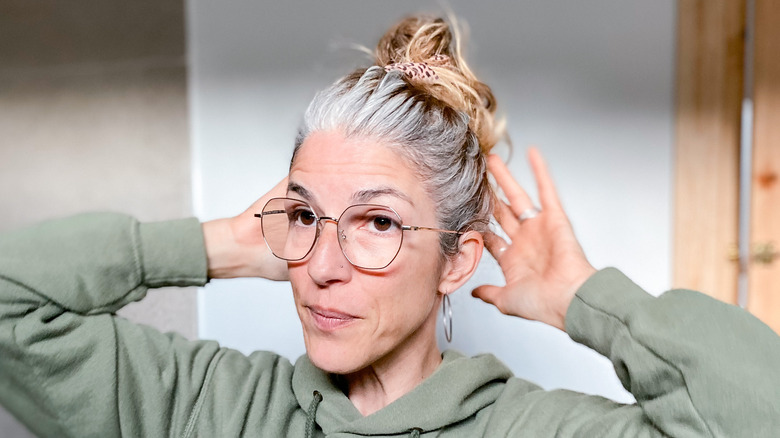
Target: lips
x,y
329,320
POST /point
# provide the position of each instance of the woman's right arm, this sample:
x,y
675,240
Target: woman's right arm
x,y
70,367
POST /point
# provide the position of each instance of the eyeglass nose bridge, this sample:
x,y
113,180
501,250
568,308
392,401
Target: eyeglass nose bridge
x,y
327,219
321,222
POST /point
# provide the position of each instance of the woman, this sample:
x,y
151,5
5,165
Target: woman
x,y
384,213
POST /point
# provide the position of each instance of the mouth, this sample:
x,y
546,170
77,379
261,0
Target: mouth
x,y
329,320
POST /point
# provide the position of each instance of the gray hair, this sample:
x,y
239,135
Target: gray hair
x,y
427,133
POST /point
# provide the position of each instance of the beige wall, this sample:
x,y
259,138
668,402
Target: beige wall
x,y
93,116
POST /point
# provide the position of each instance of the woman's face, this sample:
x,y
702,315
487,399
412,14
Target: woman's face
x,y
351,317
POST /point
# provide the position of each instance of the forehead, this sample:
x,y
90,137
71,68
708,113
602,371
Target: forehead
x,y
331,149
328,164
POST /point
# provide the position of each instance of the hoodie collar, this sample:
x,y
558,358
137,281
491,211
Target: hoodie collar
x,y
459,388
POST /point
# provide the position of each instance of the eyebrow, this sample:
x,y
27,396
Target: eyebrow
x,y
360,197
369,194
301,190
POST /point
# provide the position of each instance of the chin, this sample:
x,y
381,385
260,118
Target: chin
x,y
335,357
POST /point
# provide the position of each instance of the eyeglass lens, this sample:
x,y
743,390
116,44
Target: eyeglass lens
x,y
370,236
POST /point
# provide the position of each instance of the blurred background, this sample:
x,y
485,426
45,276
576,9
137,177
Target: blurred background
x,y
170,108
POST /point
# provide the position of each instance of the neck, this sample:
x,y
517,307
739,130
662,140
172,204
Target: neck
x,y
389,378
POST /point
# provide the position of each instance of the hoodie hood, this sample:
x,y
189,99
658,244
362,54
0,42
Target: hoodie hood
x,y
459,388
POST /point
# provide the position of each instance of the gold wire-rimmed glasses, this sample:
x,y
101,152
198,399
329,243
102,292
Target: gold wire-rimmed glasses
x,y
370,235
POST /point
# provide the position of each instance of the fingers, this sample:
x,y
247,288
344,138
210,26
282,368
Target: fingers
x,y
519,201
518,198
487,293
548,196
506,218
278,191
495,245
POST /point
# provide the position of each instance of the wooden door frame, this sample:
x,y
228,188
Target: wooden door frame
x,y
763,298
710,65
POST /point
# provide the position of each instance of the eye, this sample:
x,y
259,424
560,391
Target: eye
x,y
302,216
382,223
370,221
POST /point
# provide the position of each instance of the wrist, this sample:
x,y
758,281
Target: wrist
x,y
235,248
222,251
578,280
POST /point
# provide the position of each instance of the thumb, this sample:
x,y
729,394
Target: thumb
x,y
488,293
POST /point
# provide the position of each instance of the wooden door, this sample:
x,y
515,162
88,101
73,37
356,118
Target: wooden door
x,y
710,66
710,54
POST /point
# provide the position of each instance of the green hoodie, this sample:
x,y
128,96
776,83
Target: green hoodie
x,y
69,367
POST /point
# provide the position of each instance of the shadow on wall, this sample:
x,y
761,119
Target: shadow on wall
x,y
93,116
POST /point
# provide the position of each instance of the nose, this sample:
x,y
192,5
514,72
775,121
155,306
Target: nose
x,y
327,263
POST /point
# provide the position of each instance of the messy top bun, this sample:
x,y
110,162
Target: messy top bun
x,y
421,100
424,39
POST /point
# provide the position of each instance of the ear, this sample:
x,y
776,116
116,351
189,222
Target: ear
x,y
458,269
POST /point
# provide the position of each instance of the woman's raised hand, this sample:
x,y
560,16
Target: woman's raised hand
x,y
544,264
235,246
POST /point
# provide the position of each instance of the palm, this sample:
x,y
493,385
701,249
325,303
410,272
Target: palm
x,y
544,264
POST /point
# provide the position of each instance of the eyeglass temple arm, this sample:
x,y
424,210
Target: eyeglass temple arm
x,y
266,213
416,228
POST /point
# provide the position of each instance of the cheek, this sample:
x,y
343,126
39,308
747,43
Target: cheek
x,y
412,290
420,260
297,273
298,278
404,310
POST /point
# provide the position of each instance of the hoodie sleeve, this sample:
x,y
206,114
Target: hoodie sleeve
x,y
63,353
696,366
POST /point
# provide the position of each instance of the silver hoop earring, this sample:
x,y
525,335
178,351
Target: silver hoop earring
x,y
446,311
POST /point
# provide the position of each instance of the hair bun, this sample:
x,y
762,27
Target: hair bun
x,y
416,38
434,43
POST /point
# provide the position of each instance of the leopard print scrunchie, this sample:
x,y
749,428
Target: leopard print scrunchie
x,y
420,71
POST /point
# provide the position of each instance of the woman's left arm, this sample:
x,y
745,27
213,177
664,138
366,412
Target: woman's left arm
x,y
696,366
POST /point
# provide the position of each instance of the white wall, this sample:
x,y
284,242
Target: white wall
x,y
589,82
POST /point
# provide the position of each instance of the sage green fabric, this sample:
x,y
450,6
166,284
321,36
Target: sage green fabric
x,y
69,367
